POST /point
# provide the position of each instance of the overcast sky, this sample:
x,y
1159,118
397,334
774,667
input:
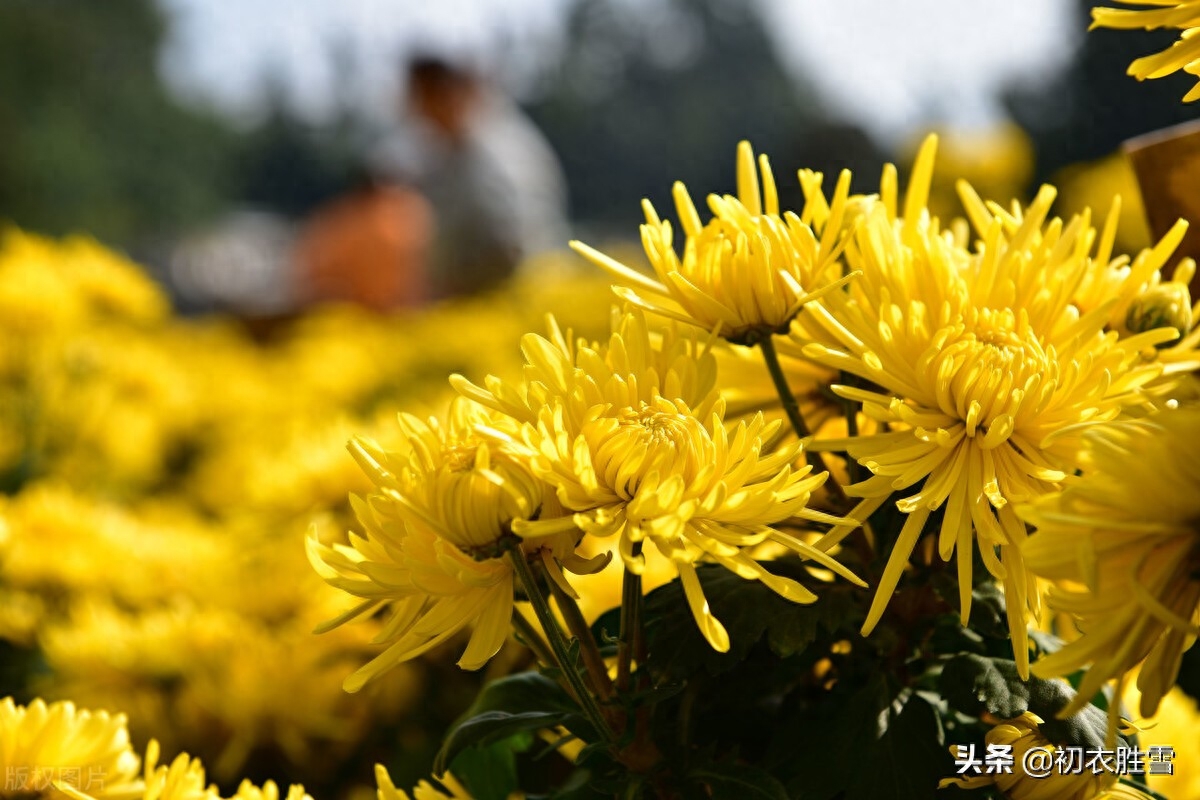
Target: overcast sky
x,y
895,65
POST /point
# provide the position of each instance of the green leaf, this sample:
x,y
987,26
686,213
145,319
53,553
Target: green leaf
x,y
526,702
490,773
974,684
881,742
907,759
748,610
738,782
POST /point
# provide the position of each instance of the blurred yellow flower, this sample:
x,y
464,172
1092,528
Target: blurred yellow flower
x,y
423,790
269,791
640,465
1173,725
44,749
985,368
183,779
1183,55
47,285
1124,534
997,160
745,273
1109,184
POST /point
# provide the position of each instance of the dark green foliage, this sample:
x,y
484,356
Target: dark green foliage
x,y
490,772
748,610
528,701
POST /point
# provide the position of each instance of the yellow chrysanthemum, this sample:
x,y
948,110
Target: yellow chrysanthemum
x,y
183,779
1183,55
746,272
432,543
1126,536
984,366
269,791
44,749
422,791
1022,735
635,446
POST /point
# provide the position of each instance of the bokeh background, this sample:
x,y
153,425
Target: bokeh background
x,y
173,413
144,123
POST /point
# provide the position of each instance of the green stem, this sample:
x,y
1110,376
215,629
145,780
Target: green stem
x,y
593,662
532,639
558,643
631,623
792,409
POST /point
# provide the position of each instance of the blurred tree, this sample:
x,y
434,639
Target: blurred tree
x,y
89,138
289,166
645,94
1091,107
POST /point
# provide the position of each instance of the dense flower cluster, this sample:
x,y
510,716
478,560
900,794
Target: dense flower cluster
x,y
800,404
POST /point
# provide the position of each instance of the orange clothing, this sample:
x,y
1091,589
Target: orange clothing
x,y
368,247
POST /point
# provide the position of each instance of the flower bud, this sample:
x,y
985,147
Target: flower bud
x,y
1168,305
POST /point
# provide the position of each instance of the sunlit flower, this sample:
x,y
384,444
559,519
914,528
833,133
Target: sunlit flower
x,y
434,537
1125,534
747,271
1022,735
453,790
57,750
1183,55
635,457
984,369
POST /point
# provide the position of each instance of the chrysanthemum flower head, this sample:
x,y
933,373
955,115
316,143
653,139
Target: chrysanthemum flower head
x,y
1126,536
984,368
435,532
1023,735
635,365
747,271
634,459
57,750
1183,55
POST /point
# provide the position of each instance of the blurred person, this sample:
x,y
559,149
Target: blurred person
x,y
495,185
368,246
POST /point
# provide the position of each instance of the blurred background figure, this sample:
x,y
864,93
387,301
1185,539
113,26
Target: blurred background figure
x,y
495,184
202,138
368,246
